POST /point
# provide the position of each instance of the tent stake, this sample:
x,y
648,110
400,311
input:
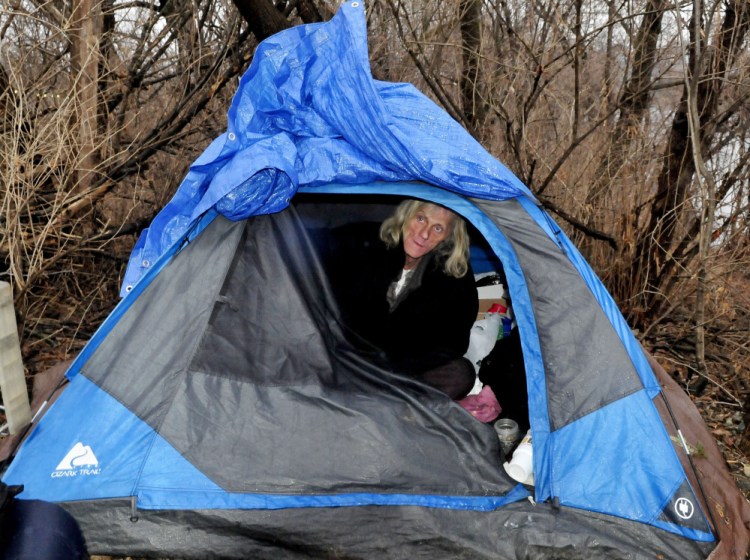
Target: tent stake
x,y
12,379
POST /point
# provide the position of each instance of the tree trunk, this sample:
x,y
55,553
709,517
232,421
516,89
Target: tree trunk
x,y
7,108
84,43
659,241
577,55
634,100
262,17
470,16
309,12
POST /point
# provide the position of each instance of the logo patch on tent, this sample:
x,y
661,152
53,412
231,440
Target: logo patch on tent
x,y
684,508
79,461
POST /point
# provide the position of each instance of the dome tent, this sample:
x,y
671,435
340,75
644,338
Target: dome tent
x,y
220,411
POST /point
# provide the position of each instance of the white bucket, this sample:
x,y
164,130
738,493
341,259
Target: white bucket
x,y
521,466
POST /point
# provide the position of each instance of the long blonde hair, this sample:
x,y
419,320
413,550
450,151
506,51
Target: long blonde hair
x,y
455,248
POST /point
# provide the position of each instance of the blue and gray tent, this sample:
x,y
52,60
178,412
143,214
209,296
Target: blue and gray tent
x,y
221,412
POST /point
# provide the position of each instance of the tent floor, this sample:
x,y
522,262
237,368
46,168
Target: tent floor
x,y
519,531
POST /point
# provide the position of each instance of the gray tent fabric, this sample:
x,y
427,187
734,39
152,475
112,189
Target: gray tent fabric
x,y
566,315
273,379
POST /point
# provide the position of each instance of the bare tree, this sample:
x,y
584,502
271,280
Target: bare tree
x,y
85,34
667,241
471,29
262,17
103,108
104,105
633,103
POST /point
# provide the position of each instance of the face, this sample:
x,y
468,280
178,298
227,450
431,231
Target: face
x,y
427,229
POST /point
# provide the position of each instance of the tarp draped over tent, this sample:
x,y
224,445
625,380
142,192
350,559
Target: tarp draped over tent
x,y
299,120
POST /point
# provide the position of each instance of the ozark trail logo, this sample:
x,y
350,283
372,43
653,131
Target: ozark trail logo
x,y
79,461
684,508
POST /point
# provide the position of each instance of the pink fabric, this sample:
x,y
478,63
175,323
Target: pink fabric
x,y
483,406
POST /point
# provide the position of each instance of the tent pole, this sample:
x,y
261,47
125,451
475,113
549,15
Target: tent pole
x,y
714,530
27,428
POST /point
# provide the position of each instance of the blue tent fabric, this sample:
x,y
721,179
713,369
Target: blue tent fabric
x,y
308,112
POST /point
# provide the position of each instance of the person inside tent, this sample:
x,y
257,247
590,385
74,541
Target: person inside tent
x,y
406,287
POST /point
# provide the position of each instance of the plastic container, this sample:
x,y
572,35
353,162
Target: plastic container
x,y
507,432
498,308
521,466
506,324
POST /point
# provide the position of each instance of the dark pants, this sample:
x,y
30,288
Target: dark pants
x,y
37,530
455,379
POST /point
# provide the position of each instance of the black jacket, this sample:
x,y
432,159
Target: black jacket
x,y
428,327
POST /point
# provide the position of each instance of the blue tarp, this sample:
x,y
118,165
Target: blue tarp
x,y
307,113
